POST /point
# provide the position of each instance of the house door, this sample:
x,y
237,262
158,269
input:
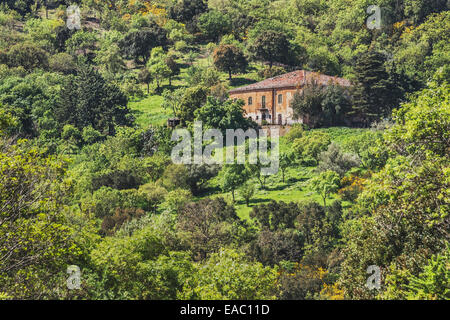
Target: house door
x,y
280,119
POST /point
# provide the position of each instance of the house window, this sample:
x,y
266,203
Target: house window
x,y
250,101
280,98
257,117
263,101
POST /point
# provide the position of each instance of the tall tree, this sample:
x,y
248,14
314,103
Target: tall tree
x,y
88,100
271,46
158,67
137,44
229,58
373,96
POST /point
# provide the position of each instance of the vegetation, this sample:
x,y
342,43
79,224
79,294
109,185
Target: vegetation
x,y
86,176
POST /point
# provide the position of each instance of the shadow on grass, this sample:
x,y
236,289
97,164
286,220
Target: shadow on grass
x,y
257,201
293,180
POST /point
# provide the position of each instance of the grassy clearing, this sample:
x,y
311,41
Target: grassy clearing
x,y
296,187
148,111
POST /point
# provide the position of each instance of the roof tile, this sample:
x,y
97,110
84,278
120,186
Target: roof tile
x,y
291,80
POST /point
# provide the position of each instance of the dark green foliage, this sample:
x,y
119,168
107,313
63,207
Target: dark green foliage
x,y
199,175
321,106
223,115
193,99
275,215
88,100
137,44
272,247
374,95
214,24
270,46
27,55
206,225
187,12
22,6
229,58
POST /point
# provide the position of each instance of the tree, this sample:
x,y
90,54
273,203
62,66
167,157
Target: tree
x,y
81,42
137,44
229,275
173,66
233,176
285,162
22,7
326,183
27,55
137,264
109,55
337,161
320,105
193,99
199,175
430,284
271,46
62,62
277,215
36,243
247,190
88,100
273,247
187,11
145,77
336,105
311,145
307,104
229,58
158,67
373,96
402,212
175,177
223,115
214,24
206,225
172,100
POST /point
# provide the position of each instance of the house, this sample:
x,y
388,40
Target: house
x,y
269,100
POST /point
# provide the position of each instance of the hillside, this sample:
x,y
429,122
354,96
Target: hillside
x,y
94,204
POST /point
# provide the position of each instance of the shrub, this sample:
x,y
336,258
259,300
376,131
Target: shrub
x,y
271,72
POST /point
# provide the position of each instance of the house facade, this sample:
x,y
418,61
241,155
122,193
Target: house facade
x,y
269,101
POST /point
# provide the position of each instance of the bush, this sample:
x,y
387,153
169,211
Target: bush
x,y
352,187
175,177
154,195
333,159
271,72
311,145
296,132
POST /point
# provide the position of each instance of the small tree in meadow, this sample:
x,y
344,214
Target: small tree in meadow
x,y
229,58
326,183
285,162
247,192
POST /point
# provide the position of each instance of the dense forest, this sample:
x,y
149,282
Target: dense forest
x,y
92,206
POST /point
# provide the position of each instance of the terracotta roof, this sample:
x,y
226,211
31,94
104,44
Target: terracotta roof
x,y
291,80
